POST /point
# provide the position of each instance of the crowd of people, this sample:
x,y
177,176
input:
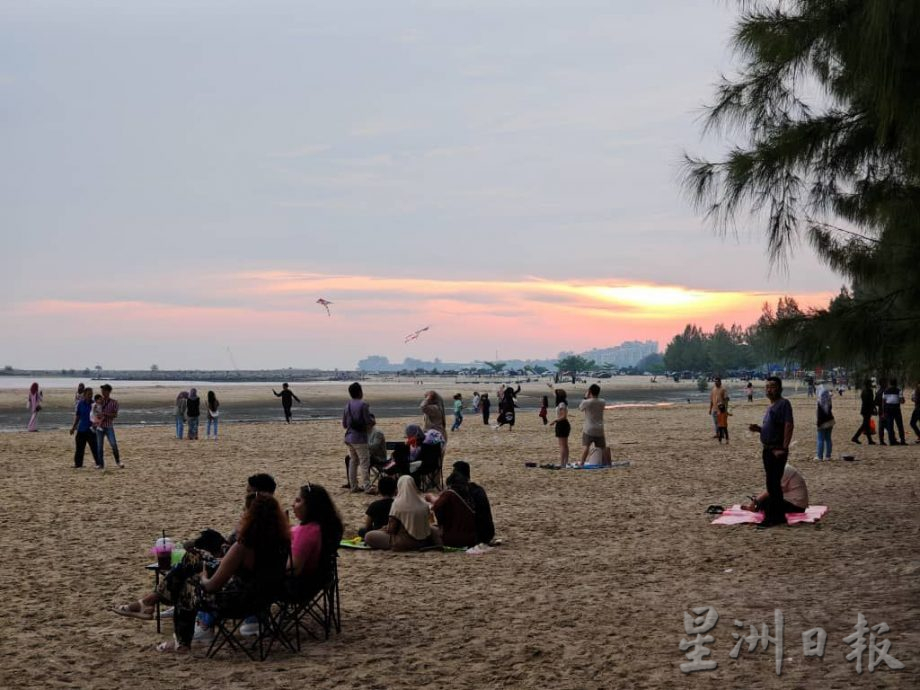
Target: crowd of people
x,y
188,414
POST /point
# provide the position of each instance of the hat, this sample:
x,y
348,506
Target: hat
x,y
105,387
462,467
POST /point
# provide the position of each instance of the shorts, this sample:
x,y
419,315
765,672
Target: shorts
x,y
563,428
598,441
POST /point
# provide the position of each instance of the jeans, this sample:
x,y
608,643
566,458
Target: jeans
x,y
715,422
774,462
180,427
85,438
212,421
101,435
915,421
192,428
458,420
825,446
359,455
893,417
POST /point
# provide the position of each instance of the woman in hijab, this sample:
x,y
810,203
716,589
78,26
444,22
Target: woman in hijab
x,y
408,528
34,405
433,413
181,408
193,412
825,421
506,407
455,513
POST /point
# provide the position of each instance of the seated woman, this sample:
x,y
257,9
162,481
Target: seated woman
x,y
795,493
263,538
454,511
408,528
319,531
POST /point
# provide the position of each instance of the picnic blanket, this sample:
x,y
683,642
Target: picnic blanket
x,y
736,516
358,543
612,466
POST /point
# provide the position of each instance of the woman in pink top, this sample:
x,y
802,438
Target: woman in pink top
x,y
319,531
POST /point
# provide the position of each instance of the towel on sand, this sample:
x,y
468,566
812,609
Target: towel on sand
x,y
736,516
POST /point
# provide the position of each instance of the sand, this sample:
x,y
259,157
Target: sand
x,y
588,590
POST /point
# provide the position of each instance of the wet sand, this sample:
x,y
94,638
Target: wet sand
x,y
588,590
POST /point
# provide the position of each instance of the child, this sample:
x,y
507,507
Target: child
x,y
722,423
378,513
543,405
96,414
458,412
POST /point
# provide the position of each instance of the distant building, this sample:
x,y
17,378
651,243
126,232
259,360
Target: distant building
x,y
626,354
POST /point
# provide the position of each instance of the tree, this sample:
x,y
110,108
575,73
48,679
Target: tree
x,y
838,164
653,363
687,351
574,364
496,367
154,367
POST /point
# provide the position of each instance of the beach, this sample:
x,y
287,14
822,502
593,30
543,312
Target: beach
x,y
588,590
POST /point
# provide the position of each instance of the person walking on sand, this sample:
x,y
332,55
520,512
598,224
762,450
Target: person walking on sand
x,y
776,436
106,428
561,426
357,421
892,400
866,410
485,405
750,391
544,405
181,409
717,396
34,405
915,415
213,413
593,433
458,412
82,426
286,395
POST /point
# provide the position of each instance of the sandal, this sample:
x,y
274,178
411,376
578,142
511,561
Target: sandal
x,y
135,609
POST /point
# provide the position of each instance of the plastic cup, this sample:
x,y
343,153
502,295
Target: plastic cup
x,y
164,558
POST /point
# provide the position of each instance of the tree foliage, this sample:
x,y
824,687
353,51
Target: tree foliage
x,y
573,364
827,100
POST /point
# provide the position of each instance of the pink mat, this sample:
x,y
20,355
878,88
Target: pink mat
x,y
736,516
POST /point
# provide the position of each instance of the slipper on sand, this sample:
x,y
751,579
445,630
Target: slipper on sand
x,y
139,612
173,647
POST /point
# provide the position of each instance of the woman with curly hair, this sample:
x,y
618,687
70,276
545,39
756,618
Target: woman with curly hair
x,y
253,562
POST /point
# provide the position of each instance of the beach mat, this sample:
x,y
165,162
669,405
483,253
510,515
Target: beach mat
x,y
612,466
359,544
736,516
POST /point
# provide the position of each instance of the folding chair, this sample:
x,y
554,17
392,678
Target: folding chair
x,y
306,599
428,475
231,609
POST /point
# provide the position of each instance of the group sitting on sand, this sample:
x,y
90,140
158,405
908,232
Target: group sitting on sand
x,y
263,553
403,519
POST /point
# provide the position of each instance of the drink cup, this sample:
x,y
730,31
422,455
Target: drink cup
x,y
164,558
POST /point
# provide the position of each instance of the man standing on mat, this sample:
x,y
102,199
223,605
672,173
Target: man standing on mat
x,y
775,435
593,432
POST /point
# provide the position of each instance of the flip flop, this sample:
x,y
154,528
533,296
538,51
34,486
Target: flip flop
x,y
126,610
171,646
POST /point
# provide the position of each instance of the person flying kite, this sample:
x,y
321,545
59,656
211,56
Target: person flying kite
x,y
415,334
326,304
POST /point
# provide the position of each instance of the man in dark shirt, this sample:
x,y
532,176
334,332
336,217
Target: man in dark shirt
x,y
286,396
866,409
775,435
892,398
485,527
83,428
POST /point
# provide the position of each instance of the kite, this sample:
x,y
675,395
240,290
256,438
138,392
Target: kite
x,y
326,304
415,334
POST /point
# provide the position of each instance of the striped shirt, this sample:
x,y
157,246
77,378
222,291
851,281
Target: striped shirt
x,y
109,412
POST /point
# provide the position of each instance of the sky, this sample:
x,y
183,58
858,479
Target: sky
x,y
182,179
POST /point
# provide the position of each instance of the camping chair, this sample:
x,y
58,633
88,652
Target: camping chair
x,y
428,474
230,609
314,598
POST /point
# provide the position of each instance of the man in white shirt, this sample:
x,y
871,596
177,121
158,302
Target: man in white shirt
x,y
593,432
